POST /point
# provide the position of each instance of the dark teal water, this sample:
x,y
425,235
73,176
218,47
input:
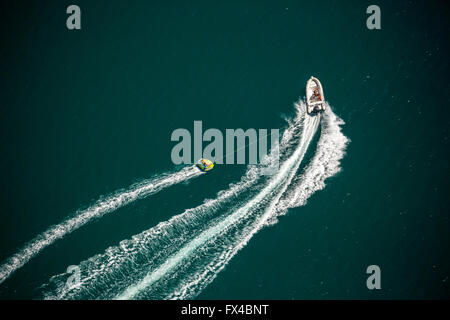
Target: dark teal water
x,y
87,112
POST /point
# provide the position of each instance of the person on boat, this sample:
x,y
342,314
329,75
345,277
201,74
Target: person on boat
x,y
315,94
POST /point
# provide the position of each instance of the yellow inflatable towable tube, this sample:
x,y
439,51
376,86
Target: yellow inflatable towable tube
x,y
205,165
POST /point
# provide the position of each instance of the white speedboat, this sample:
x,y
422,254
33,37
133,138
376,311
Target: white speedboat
x,y
315,100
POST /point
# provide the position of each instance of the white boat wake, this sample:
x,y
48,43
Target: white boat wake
x,y
295,192
100,208
276,185
178,258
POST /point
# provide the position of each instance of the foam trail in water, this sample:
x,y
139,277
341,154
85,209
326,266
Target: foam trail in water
x,y
104,269
276,184
118,264
325,163
177,259
97,210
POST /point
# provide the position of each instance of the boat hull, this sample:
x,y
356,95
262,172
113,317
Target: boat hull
x,y
315,99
